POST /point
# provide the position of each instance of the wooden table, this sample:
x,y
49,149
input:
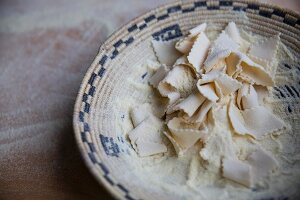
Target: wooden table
x,y
45,49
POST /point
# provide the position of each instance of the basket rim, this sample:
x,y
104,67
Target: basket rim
x,y
103,48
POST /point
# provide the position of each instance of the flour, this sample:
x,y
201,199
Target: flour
x,y
192,177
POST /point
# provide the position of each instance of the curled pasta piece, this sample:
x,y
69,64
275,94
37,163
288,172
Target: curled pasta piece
x,y
140,113
199,51
256,73
185,134
257,121
232,31
233,62
182,60
179,80
165,51
243,91
220,115
262,93
265,49
159,104
169,91
208,91
250,100
200,115
244,46
217,85
237,171
209,77
261,121
185,45
179,150
197,30
225,42
227,84
147,129
237,120
215,56
147,133
190,104
264,53
239,63
220,66
171,115
262,164
145,148
158,75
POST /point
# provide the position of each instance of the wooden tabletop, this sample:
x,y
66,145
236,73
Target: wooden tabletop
x,y
45,50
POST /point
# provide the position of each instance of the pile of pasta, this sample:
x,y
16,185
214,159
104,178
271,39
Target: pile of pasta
x,y
211,86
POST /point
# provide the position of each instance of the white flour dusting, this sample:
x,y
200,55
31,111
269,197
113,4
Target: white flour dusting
x,y
190,177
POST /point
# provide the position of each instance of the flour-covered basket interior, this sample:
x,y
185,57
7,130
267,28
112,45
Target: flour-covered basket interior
x,y
196,111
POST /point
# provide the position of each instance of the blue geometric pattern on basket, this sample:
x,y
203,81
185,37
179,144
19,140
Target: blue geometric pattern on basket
x,y
110,147
168,33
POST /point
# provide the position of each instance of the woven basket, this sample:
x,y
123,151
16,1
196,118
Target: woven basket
x,y
103,146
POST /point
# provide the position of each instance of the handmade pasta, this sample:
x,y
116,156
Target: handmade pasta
x,y
232,31
165,52
257,121
262,163
185,134
237,171
147,135
199,51
158,76
190,104
212,98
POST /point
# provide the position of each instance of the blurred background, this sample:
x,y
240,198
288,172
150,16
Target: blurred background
x,y
45,50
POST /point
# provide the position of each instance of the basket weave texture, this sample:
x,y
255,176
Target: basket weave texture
x,y
100,144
